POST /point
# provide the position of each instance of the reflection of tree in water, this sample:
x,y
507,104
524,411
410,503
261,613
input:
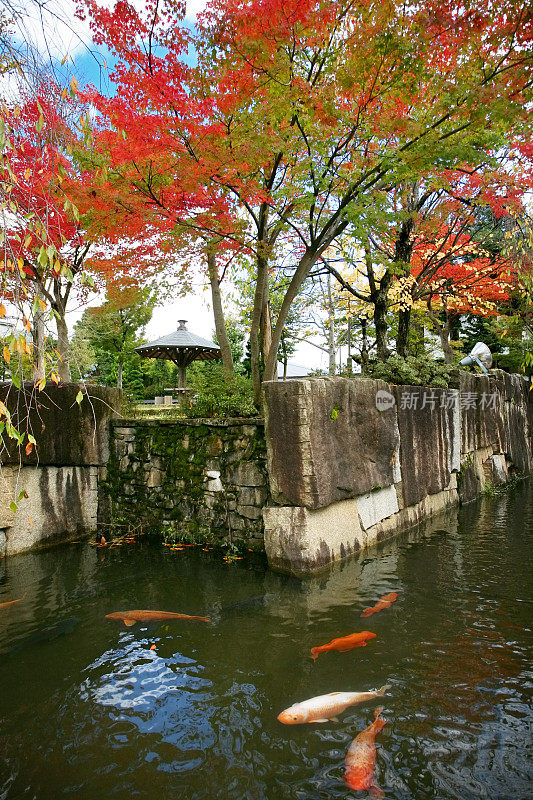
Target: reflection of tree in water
x,y
461,675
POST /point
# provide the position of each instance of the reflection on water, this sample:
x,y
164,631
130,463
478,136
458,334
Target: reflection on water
x,y
93,710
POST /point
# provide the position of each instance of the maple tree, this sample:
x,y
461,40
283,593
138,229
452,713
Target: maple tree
x,y
45,244
298,120
115,326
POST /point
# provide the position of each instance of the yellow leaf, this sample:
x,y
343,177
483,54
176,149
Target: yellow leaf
x,y
2,310
41,384
27,174
29,448
74,85
64,94
26,323
7,355
54,376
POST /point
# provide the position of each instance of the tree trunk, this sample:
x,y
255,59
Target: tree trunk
x,y
331,329
285,357
349,359
38,346
416,341
119,372
447,349
255,355
364,346
63,347
444,333
402,340
302,271
380,324
402,259
218,312
266,327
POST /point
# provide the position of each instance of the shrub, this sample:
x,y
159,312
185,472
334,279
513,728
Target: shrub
x,y
412,371
216,397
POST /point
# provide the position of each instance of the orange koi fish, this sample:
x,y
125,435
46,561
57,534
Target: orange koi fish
x,y
10,603
325,707
131,617
344,643
361,758
386,601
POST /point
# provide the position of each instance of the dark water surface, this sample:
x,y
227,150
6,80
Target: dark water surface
x,y
87,710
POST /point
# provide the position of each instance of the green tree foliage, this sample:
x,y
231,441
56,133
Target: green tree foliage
x,y
112,332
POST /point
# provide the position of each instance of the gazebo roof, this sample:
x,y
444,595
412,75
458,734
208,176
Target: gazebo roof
x,y
182,344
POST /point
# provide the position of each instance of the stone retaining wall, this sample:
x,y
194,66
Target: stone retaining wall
x,y
189,476
352,461
55,486
338,464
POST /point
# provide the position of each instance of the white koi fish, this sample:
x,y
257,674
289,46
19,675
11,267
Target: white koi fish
x,y
326,706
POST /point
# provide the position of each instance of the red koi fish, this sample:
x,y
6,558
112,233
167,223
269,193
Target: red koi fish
x,y
344,643
386,601
131,617
361,758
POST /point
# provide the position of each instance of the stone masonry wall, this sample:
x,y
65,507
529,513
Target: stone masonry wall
x,y
189,475
352,461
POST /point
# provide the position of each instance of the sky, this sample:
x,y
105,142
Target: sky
x,y
56,32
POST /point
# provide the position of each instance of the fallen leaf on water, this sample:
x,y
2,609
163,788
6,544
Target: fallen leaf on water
x,y
153,647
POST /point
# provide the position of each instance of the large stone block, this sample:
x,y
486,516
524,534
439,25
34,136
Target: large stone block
x,y
302,541
7,495
327,441
482,411
248,473
517,441
469,484
428,421
61,502
375,506
67,433
495,469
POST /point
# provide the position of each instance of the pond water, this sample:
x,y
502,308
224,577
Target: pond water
x,y
88,710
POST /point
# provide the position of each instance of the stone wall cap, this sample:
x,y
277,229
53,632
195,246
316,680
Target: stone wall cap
x,y
191,423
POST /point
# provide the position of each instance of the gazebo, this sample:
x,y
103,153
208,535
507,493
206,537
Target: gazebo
x,y
182,347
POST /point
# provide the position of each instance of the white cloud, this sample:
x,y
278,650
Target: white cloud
x,y
194,7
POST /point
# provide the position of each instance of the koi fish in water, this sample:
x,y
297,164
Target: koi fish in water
x,y
386,601
326,706
344,643
361,758
10,603
131,617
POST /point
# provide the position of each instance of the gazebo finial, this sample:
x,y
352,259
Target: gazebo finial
x,y
181,324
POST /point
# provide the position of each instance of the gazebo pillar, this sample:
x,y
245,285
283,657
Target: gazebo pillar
x,y
182,375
